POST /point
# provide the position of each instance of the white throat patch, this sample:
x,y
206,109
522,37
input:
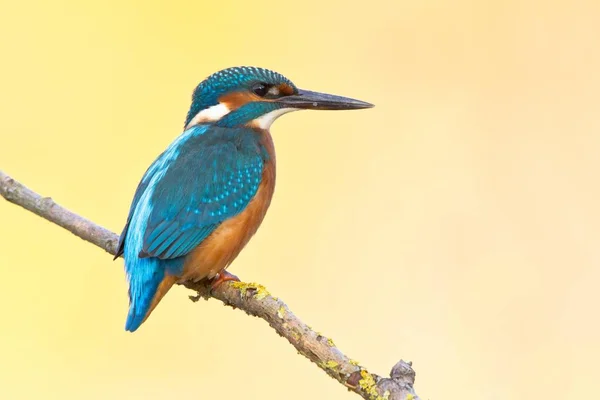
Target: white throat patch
x,y
265,121
210,114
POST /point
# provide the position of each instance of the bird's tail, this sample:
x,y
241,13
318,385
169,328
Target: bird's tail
x,y
146,288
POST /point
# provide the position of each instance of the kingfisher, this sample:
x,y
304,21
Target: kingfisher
x,y
204,197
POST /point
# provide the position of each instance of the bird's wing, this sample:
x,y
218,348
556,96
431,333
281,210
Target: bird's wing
x,y
211,177
136,198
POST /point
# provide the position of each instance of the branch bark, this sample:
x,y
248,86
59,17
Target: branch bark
x,y
252,298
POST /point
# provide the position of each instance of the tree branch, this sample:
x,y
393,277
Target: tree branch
x,y
252,298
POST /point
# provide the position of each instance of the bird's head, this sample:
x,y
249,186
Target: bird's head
x,y
256,97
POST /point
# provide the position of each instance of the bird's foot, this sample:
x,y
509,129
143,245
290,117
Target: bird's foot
x,y
221,277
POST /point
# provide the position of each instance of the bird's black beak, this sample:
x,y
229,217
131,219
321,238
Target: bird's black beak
x,y
305,99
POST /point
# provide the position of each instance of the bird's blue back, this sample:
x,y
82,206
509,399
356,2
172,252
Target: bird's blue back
x,y
206,176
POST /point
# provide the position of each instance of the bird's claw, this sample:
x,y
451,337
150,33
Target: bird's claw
x,y
221,277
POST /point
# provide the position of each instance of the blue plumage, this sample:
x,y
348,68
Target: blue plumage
x,y
229,164
208,175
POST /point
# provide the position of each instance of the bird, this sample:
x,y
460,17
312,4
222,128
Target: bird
x,y
203,198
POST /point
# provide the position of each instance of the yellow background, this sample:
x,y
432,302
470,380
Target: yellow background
x,y
455,225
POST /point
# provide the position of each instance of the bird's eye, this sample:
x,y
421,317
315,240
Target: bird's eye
x,y
260,89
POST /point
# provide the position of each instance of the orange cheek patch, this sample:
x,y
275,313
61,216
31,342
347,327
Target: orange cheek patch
x,y
235,100
285,89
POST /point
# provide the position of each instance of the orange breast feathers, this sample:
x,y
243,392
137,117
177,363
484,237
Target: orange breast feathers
x,y
223,245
